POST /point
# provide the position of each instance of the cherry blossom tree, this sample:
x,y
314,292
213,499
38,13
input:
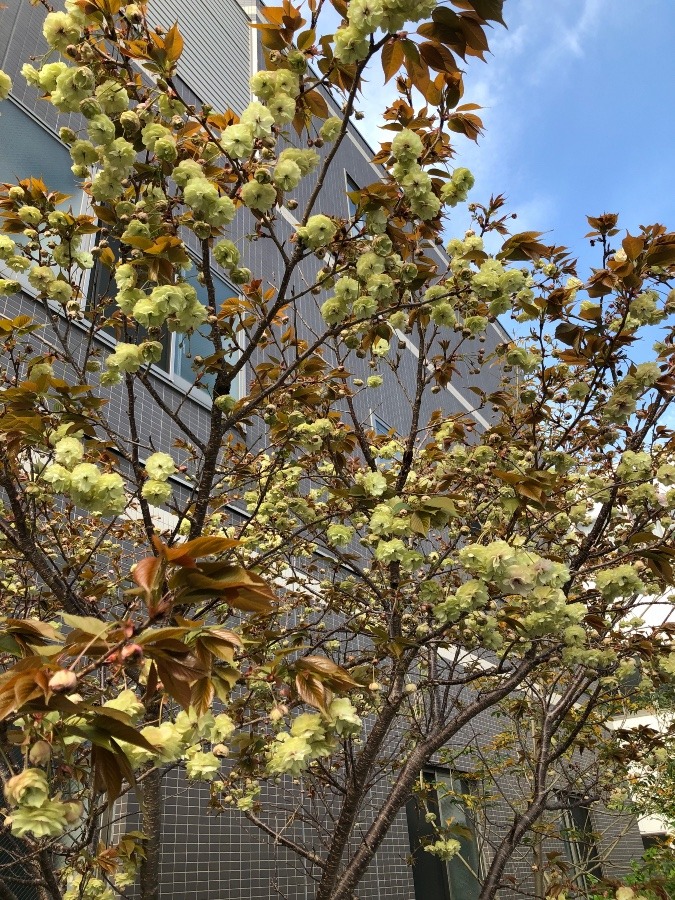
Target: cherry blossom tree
x,y
375,593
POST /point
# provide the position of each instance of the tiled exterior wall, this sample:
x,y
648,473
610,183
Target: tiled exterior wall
x,y
223,857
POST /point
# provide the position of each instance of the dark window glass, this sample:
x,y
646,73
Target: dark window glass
x,y
436,879
579,840
186,347
353,207
29,150
178,350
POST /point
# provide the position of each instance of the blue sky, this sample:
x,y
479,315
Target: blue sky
x,y
579,110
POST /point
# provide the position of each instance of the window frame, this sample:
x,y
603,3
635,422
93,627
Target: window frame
x,y
78,201
580,845
437,869
171,375
352,185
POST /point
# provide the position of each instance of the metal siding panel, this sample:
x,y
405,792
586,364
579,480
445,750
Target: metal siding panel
x,y
216,61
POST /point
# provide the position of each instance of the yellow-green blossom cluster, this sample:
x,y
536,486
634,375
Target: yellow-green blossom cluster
x,y
159,467
415,183
176,305
516,572
184,740
100,493
312,736
277,90
33,811
364,17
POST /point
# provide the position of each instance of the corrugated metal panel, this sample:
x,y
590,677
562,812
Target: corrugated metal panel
x,y
216,61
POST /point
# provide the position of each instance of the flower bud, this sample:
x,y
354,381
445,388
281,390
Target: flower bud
x,y
62,681
40,753
90,108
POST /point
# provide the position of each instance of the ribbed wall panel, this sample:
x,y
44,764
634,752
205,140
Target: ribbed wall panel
x,y
216,61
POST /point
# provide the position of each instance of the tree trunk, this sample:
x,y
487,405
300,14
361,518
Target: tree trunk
x,y
151,827
5,893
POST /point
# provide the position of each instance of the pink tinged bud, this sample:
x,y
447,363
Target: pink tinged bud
x,y
131,652
220,750
62,681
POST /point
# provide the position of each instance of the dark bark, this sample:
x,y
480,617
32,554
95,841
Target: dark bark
x,y
5,892
152,827
52,888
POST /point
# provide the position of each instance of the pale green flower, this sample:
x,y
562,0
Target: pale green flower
x,y
347,289
264,84
366,15
60,30
5,85
40,277
47,820
156,492
287,175
68,452
622,581
202,766
282,108
109,498
444,849
126,358
28,788
167,740
350,45
113,97
7,247
339,535
152,133
58,477
160,466
125,276
237,141
186,170
364,306
120,155
289,755
306,159
60,291
101,130
287,82
126,702
343,718
330,129
407,146
443,314
258,196
476,324
200,194
226,254
30,215
258,119
83,481
221,728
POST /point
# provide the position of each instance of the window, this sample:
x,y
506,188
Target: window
x,y
187,346
436,879
29,149
179,350
352,206
579,840
380,427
